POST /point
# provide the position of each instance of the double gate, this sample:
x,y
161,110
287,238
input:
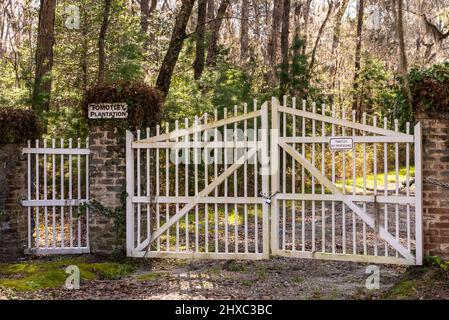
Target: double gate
x,y
249,184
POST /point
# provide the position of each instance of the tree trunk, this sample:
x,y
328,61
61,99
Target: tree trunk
x,y
44,56
296,20
216,26
274,41
101,41
356,105
403,64
244,38
198,65
306,25
284,44
145,12
336,39
174,48
210,10
318,37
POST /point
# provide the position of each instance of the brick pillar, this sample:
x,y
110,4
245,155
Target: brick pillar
x,y
13,188
107,183
435,132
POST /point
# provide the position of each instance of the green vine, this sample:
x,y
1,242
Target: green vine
x,y
118,215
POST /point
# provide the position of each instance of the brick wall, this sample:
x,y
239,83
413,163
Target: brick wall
x,y
13,218
435,131
107,182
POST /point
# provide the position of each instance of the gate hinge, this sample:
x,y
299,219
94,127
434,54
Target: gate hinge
x,y
268,197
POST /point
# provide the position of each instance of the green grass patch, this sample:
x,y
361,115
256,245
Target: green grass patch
x,y
151,276
380,179
34,275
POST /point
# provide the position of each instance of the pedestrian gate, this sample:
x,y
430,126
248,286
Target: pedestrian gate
x,y
57,183
286,180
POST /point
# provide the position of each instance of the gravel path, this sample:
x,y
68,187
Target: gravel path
x,y
278,278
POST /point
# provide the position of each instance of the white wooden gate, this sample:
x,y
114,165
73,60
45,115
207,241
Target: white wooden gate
x,y
58,182
324,208
342,205
184,196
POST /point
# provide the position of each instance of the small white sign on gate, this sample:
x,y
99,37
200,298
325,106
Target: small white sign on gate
x,y
108,110
341,144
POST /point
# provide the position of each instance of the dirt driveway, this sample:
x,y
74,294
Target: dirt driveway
x,y
277,278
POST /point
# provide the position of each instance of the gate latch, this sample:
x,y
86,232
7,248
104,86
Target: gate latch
x,y
268,197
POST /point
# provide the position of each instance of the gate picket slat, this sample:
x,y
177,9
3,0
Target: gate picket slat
x,y
333,182
148,185
245,178
167,188
303,186
87,195
158,218
256,180
206,182
29,194
396,168
70,195
37,198
53,192
284,177
323,172
78,180
236,214
343,183
386,186
62,196
139,206
364,187
176,186
354,189
186,182
407,187
215,177
313,177
44,168
376,239
225,130
293,204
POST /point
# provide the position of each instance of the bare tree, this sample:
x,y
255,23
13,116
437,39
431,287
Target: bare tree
x,y
274,41
210,10
403,63
284,43
198,65
336,40
320,32
44,56
174,48
244,38
146,9
101,40
215,28
356,105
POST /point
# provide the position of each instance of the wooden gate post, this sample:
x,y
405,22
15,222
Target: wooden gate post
x,y
130,194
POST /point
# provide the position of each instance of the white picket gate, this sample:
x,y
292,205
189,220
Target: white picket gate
x,y
295,197
316,216
57,183
192,216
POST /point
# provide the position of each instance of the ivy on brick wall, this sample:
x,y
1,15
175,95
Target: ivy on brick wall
x,y
144,103
18,125
430,88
